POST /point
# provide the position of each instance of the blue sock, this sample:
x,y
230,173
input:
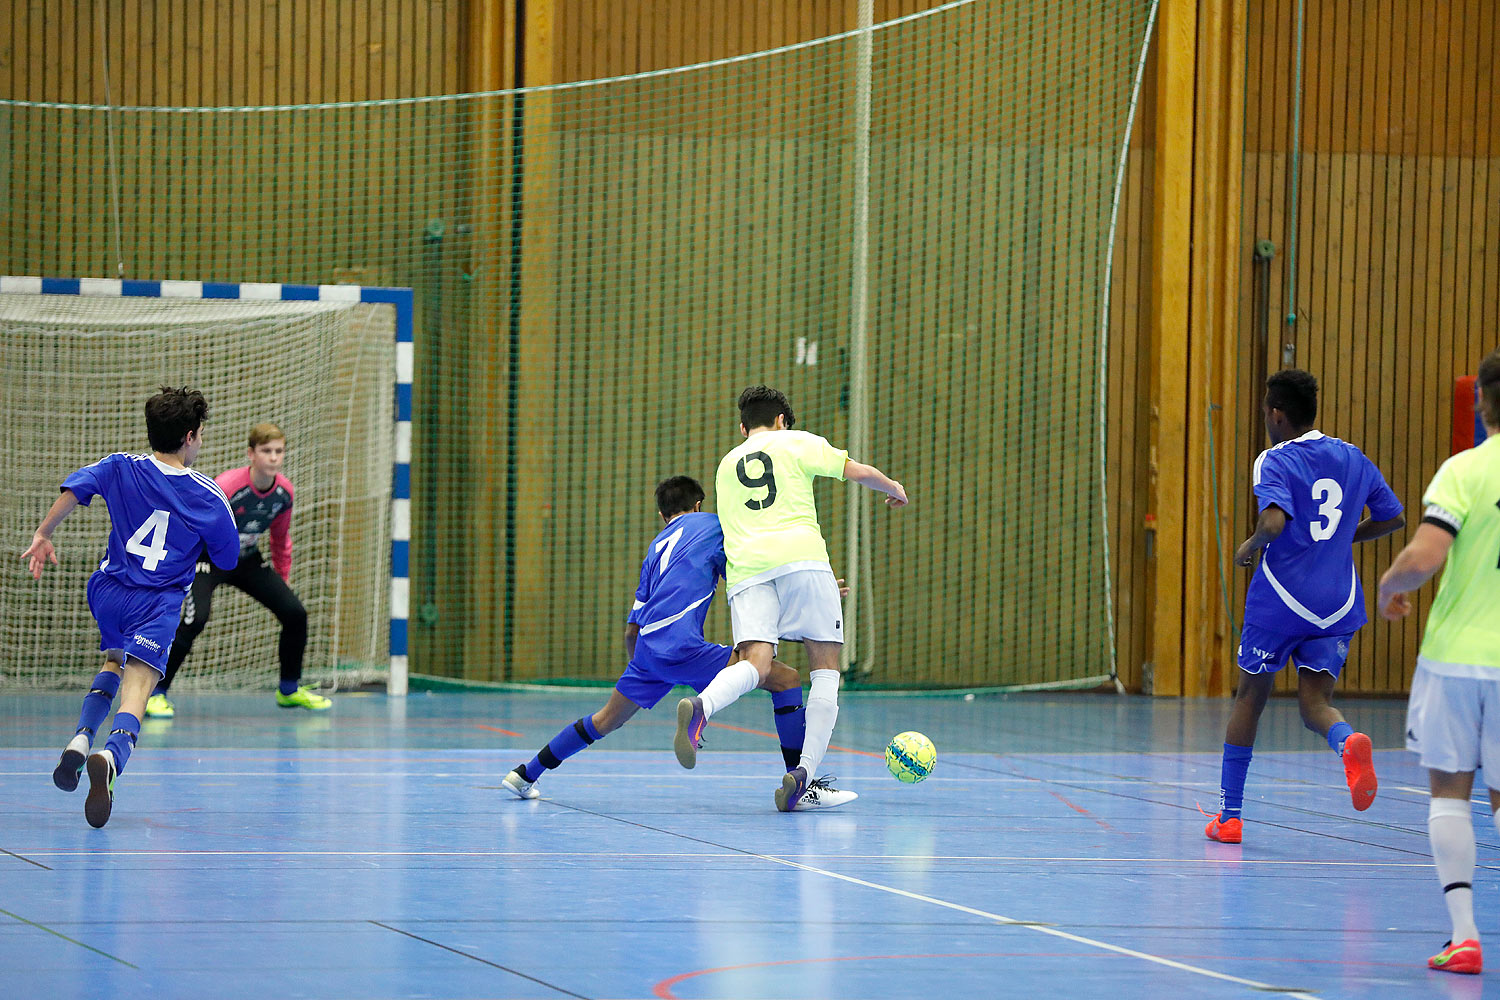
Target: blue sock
x,y
791,724
96,703
288,687
1337,734
1232,780
564,745
122,739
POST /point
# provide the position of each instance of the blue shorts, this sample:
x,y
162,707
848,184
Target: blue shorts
x,y
1265,652
647,681
140,622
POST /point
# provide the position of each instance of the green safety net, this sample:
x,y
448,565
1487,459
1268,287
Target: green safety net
x,y
905,228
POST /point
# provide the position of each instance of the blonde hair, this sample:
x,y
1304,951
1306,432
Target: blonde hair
x,y
261,433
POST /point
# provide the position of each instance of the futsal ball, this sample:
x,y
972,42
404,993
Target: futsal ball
x,y
911,757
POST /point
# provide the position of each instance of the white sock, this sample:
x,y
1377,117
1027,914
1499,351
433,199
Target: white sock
x,y
734,681
821,713
1450,828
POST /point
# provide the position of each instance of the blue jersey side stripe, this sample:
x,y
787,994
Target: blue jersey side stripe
x,y
664,622
213,487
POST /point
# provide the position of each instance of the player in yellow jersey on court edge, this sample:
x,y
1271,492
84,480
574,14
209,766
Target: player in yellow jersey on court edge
x,y
1453,717
781,585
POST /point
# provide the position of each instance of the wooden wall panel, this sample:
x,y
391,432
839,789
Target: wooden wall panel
x,y
211,53
1398,237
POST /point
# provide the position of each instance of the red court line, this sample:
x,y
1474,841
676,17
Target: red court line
x,y
1080,810
497,729
762,732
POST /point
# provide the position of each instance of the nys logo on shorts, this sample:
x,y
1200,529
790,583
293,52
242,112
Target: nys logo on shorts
x,y
150,644
1262,655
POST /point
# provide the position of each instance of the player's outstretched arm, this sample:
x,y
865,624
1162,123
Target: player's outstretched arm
x,y
872,478
1272,522
1370,529
40,552
1423,556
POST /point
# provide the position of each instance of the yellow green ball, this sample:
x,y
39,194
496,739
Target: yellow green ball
x,y
910,757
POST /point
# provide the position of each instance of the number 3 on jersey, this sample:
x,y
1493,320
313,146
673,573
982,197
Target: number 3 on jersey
x,y
1330,494
154,551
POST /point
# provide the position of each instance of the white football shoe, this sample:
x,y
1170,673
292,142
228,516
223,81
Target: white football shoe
x,y
518,784
821,794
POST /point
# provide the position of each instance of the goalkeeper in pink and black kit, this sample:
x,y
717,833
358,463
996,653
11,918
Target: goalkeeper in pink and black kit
x,y
261,500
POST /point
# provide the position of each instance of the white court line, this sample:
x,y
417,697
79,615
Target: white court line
x,y
728,855
1053,931
600,775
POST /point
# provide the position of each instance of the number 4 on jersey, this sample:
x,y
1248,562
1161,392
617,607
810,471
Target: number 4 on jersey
x,y
154,551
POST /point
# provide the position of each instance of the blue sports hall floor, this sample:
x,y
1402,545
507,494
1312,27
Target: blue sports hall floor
x,y
1056,851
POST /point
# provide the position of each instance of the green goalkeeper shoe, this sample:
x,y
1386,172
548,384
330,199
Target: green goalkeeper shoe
x,y
158,707
304,697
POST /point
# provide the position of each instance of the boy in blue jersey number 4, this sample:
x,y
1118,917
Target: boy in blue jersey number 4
x,y
161,515
1305,601
665,644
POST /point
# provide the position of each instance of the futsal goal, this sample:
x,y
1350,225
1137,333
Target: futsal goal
x,y
78,360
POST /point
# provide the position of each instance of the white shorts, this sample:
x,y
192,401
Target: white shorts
x,y
803,604
1454,722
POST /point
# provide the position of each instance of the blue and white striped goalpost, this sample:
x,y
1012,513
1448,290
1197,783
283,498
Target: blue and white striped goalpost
x,y
400,299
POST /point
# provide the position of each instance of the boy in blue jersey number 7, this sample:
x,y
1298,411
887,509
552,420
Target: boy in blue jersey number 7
x,y
161,515
665,644
1305,601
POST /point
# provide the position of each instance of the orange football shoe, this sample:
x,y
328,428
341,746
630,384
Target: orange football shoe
x,y
1464,957
1225,831
1359,771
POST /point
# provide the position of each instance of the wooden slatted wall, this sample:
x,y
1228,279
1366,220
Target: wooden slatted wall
x,y
213,53
1398,232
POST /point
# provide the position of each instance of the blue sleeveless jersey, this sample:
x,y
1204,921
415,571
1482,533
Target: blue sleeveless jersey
x,y
160,520
1306,583
678,579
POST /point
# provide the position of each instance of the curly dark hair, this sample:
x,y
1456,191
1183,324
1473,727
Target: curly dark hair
x,y
173,414
1295,393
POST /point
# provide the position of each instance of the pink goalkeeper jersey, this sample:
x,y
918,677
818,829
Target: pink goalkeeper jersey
x,y
255,513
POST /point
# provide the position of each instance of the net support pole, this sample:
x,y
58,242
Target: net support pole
x,y
858,514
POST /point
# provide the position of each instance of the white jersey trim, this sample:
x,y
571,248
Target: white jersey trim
x,y
1260,459
766,576
1474,671
209,484
664,622
1296,605
166,470
1449,518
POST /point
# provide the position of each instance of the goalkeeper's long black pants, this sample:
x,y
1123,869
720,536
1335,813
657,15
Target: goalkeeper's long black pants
x,y
258,580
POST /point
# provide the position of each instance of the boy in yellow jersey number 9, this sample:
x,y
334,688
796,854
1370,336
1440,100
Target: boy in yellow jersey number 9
x,y
780,583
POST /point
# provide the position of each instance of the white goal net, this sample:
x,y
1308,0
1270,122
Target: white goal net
x,y
75,373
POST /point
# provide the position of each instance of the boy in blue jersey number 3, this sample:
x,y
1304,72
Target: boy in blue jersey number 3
x,y
161,515
1305,601
665,644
